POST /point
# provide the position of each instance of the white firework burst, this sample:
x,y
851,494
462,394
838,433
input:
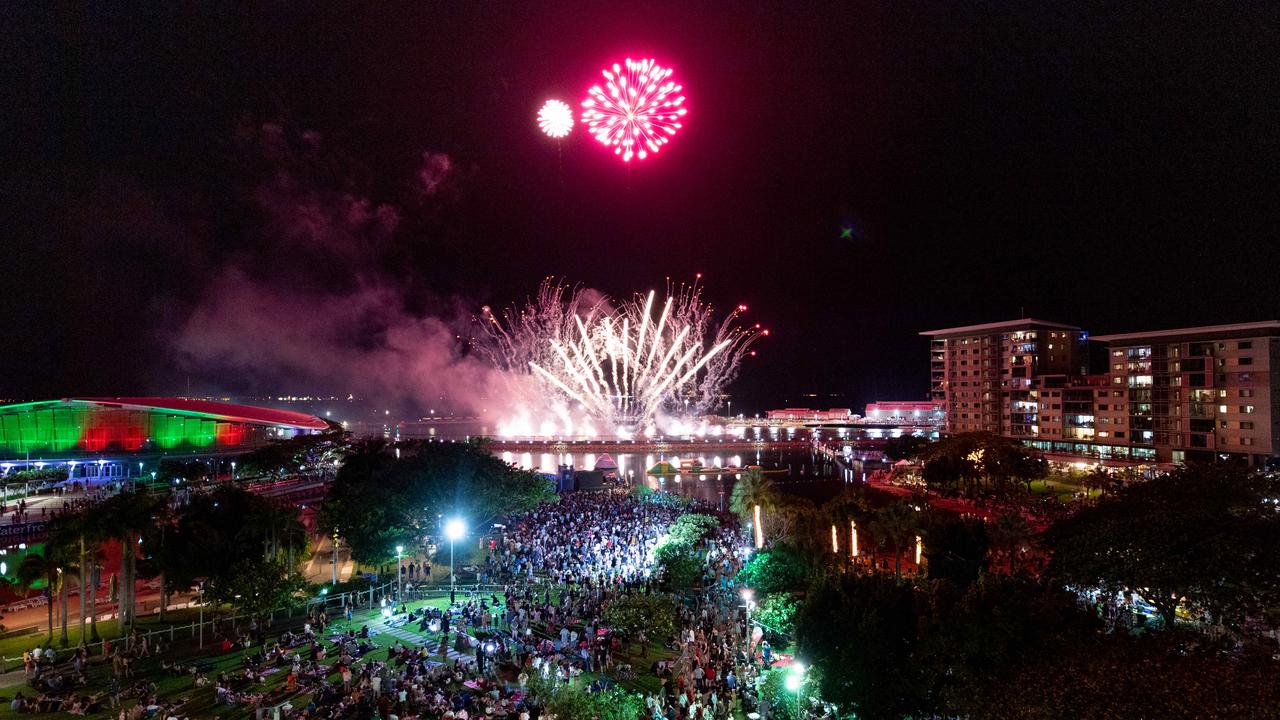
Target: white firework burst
x,y
621,366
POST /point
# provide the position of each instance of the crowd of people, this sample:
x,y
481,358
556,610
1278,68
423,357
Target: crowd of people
x,y
491,655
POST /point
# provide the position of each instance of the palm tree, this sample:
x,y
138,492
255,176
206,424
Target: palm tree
x,y
34,568
79,538
1009,533
896,525
753,489
128,513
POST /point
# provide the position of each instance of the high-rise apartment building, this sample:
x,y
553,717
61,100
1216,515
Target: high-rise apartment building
x,y
982,374
1202,393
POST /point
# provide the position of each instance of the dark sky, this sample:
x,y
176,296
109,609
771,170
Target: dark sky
x,y
1090,163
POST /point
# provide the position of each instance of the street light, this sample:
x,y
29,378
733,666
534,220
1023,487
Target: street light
x,y
454,530
200,588
747,596
399,577
795,683
335,557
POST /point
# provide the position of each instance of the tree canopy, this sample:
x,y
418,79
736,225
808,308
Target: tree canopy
x,y
386,495
980,465
1206,534
244,545
781,568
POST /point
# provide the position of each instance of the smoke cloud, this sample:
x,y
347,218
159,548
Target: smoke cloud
x,y
315,303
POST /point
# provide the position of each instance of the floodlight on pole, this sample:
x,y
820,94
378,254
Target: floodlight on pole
x,y
759,530
454,529
795,683
399,575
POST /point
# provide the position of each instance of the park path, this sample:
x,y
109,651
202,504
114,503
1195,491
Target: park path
x,y
412,638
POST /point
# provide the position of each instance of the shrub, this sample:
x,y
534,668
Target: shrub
x,y
633,613
777,614
782,568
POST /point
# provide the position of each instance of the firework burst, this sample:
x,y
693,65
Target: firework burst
x,y
622,366
637,110
555,119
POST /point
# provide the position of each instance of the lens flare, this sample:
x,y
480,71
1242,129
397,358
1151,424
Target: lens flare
x,y
555,119
619,366
638,109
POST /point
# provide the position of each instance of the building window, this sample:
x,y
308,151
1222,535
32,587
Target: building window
x,y
1222,408
1246,425
1246,409
1246,392
1246,441
1246,361
1119,434
1244,345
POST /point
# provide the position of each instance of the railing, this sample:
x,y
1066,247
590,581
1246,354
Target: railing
x,y
328,603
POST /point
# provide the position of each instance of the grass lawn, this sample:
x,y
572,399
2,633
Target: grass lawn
x,y
200,701
1065,491
13,647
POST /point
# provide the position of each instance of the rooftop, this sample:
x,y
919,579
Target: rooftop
x,y
218,410
1266,326
995,326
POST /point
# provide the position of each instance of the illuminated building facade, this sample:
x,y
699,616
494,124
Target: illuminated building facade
x,y
1167,396
983,376
113,433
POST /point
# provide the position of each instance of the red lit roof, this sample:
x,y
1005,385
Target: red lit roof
x,y
219,410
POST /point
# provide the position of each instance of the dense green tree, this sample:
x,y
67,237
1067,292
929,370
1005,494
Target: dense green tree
x,y
1118,676
895,526
384,495
654,614
573,702
234,539
956,548
892,649
318,453
255,587
753,488
126,516
679,565
691,528
862,631
36,568
905,447
1206,535
776,613
981,465
1011,535
780,568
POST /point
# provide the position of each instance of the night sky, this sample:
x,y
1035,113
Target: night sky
x,y
288,199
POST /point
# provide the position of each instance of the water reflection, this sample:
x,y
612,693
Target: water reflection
x,y
707,477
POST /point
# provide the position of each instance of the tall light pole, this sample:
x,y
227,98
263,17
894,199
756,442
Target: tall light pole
x,y
335,558
399,577
454,530
747,595
233,471
200,587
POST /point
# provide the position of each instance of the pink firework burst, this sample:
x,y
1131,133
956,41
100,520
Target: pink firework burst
x,y
637,111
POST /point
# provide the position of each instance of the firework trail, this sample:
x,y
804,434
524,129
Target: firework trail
x,y
620,366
